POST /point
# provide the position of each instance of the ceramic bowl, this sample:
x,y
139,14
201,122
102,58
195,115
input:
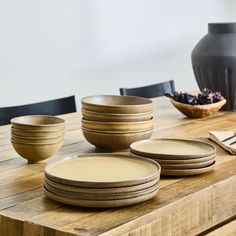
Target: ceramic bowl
x,y
38,122
198,111
117,126
111,117
43,134
26,140
114,141
36,152
117,104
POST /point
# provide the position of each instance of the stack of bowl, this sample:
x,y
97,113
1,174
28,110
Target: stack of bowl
x,y
37,137
114,122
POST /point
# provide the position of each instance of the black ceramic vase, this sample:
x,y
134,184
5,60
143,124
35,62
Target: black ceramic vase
x,y
214,61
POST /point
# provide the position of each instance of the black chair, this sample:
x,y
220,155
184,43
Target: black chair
x,y
51,107
150,91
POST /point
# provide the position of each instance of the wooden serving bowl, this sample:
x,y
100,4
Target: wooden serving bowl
x,y
36,152
198,111
111,117
114,141
117,126
38,122
117,104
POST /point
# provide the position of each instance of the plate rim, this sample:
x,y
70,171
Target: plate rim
x,y
102,190
103,204
187,172
180,161
103,184
188,166
101,197
171,156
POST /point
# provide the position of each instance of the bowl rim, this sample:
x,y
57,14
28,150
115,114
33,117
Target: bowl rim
x,y
117,115
125,133
36,144
35,138
35,131
117,122
85,101
17,121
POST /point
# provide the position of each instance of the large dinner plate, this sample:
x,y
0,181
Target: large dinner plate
x,y
104,197
100,191
181,161
187,172
103,171
172,148
100,203
188,166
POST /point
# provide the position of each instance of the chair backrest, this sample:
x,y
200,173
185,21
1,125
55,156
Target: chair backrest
x,y
51,107
150,91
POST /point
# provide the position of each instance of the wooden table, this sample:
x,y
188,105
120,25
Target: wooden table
x,y
183,206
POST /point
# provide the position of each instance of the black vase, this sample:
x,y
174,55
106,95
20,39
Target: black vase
x,y
214,61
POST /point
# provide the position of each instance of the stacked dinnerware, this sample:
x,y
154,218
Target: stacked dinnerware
x,y
114,122
37,137
177,157
102,180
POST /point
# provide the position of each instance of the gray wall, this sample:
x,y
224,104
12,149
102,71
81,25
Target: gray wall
x,y
55,48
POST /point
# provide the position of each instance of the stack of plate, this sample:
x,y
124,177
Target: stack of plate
x,y
102,180
115,122
177,157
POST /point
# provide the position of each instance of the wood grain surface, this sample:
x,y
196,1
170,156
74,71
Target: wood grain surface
x,y
183,206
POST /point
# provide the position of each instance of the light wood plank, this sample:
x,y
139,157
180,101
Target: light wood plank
x,y
183,206
228,229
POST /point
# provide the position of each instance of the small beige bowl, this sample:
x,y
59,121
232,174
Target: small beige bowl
x,y
117,126
38,122
37,134
114,141
117,104
36,152
198,111
111,117
36,140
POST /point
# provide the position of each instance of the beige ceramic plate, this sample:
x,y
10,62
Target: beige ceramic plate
x,y
101,190
172,148
101,204
188,166
186,172
103,197
103,171
181,161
